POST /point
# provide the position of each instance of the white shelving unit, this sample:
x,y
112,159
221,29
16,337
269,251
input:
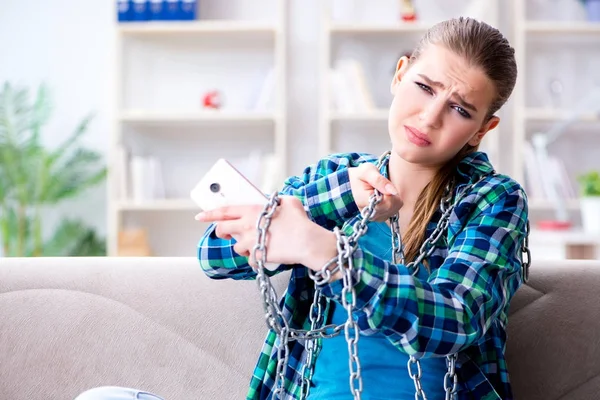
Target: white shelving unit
x,y
532,34
372,42
151,115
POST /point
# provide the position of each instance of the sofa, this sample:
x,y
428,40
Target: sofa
x,y
69,324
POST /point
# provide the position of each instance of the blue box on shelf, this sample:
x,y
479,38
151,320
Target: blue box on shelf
x,y
156,10
170,10
188,10
140,10
124,10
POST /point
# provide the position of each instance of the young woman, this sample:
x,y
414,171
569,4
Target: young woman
x,y
436,301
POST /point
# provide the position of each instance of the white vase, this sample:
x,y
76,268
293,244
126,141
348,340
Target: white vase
x,y
590,214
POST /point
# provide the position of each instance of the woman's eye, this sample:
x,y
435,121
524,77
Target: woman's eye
x,y
424,87
462,111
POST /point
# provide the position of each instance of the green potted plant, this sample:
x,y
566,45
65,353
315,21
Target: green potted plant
x,y
34,178
590,201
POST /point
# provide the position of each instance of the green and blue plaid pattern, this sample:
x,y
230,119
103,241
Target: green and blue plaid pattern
x,y
461,308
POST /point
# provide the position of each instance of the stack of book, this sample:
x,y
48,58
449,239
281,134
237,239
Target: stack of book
x,y
156,10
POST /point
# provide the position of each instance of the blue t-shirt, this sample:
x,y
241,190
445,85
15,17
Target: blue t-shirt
x,y
383,367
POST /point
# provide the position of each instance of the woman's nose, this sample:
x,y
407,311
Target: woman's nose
x,y
432,113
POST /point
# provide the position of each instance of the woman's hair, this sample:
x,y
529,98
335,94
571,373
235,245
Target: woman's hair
x,y
484,47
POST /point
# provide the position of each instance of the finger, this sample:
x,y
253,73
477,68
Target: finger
x,y
374,178
222,214
237,228
393,202
241,249
222,231
390,205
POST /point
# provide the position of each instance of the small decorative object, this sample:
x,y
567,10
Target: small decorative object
x,y
590,201
407,11
212,99
133,243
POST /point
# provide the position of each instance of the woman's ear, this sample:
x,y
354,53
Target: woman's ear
x,y
401,68
485,128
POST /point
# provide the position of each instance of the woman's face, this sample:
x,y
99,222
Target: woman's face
x,y
440,104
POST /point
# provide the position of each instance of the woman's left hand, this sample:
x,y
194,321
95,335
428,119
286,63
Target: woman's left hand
x,y
288,238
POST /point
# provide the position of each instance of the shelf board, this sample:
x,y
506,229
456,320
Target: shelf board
x,y
158,117
542,204
364,28
575,27
574,236
158,205
380,115
549,114
207,27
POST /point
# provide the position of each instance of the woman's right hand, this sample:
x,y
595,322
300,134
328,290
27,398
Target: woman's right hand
x,y
364,179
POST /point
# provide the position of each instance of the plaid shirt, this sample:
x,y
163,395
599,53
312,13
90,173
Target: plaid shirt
x,y
461,308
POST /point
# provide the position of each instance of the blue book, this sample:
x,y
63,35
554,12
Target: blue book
x,y
171,10
124,10
156,10
140,10
188,10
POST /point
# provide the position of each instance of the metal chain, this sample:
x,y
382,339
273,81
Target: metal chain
x,y
310,345
416,377
451,379
351,330
397,245
274,316
526,255
346,245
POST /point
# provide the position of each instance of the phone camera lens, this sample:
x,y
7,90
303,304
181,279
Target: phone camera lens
x,y
215,187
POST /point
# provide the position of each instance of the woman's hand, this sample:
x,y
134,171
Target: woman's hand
x,y
363,180
291,237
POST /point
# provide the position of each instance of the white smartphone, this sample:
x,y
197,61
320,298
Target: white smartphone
x,y
223,185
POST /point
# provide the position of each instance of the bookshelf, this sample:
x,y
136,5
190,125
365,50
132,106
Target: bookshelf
x,y
375,39
162,70
554,43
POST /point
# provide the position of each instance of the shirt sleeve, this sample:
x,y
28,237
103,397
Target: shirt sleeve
x,y
461,299
323,189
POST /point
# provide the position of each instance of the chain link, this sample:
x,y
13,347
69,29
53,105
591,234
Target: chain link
x,y
416,377
346,245
451,379
526,260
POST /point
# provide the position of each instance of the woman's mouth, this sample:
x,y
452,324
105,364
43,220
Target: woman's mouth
x,y
416,137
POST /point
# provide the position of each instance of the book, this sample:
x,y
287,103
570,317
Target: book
x,y
124,10
265,100
140,10
349,86
146,179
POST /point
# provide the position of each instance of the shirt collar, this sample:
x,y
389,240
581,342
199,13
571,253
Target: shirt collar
x,y
474,166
